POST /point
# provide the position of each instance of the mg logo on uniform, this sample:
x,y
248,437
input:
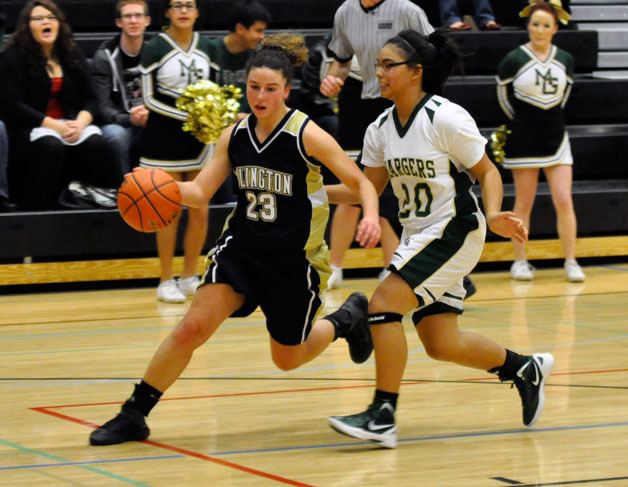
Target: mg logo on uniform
x,y
191,71
548,82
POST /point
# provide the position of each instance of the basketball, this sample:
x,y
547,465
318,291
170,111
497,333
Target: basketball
x,y
149,199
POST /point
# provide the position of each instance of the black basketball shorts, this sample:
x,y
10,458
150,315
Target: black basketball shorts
x,y
286,286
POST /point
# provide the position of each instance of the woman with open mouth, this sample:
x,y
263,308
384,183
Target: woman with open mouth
x,y
48,106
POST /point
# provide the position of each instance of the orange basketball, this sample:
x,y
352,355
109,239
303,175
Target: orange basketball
x,y
149,199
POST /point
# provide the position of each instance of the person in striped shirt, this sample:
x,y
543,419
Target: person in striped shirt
x,y
360,29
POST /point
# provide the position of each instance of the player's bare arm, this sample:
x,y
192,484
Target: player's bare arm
x,y
197,193
503,223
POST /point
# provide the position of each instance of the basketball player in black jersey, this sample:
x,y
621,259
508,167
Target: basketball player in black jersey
x,y
272,253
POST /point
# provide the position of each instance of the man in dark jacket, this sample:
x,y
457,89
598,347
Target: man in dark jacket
x,y
117,81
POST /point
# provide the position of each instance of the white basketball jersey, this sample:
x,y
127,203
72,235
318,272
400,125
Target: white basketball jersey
x,y
427,161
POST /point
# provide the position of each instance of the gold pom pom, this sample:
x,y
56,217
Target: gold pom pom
x,y
211,108
498,141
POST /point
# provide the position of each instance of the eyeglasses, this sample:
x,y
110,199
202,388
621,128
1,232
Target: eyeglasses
x,y
179,7
385,67
41,18
132,16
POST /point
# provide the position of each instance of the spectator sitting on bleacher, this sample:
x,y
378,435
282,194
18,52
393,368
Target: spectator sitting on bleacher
x,y
247,22
533,85
47,102
117,81
482,15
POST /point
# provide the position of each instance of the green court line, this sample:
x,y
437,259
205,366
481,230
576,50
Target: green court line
x,y
56,458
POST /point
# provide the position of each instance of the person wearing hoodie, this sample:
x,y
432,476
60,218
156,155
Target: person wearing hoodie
x,y
117,79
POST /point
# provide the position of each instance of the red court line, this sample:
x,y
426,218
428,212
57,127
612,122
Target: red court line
x,y
328,388
183,451
201,456
228,394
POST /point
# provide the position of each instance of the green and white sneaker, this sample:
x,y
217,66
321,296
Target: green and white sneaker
x,y
376,424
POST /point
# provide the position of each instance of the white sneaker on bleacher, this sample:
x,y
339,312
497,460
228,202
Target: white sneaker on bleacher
x,y
169,292
521,270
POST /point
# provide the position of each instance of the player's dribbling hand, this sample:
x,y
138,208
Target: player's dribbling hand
x,y
368,232
506,224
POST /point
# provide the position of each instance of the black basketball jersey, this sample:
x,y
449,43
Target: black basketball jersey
x,y
281,202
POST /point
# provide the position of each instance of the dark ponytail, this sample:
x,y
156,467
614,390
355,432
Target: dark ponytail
x,y
437,53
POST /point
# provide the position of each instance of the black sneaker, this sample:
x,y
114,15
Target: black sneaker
x,y
469,287
128,425
358,333
530,382
376,424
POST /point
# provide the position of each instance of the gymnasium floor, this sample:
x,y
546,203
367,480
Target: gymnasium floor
x,y
69,359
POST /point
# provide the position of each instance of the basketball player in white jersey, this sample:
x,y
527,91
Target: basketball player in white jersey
x,y
432,152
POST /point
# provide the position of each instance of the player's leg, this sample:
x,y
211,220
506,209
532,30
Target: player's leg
x,y
392,298
343,224
444,341
193,242
212,305
168,291
292,303
560,182
350,322
389,241
525,181
424,269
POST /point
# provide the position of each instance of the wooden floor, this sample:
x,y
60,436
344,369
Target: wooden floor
x,y
67,360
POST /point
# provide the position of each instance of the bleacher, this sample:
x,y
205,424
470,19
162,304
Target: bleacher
x,y
92,245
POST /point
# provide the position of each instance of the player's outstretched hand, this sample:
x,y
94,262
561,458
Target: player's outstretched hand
x,y
368,232
506,224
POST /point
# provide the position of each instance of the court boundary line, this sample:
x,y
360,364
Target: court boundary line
x,y
183,451
48,410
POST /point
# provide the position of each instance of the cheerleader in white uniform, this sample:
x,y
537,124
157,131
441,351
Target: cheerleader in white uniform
x,y
533,86
170,62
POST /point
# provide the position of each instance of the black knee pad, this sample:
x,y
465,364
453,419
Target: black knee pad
x,y
383,318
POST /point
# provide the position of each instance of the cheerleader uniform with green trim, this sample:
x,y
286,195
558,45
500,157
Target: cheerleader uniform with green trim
x,y
167,70
533,93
